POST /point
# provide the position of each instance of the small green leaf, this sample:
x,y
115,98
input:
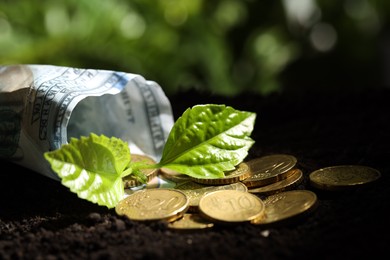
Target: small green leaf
x,y
92,167
208,140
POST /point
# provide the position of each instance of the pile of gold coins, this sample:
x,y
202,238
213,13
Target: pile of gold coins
x,y
260,191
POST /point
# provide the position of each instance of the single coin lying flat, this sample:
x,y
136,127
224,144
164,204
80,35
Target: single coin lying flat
x,y
285,205
343,176
231,206
154,204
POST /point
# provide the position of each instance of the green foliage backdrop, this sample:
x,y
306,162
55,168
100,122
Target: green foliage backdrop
x,y
225,46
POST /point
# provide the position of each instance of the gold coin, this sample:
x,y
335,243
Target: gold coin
x,y
269,169
174,175
290,182
191,221
231,206
153,204
285,205
131,182
241,172
343,176
195,191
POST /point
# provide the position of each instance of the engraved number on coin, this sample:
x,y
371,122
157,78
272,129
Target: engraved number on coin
x,y
159,204
233,204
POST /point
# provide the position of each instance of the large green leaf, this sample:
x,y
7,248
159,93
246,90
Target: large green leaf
x,y
92,167
208,140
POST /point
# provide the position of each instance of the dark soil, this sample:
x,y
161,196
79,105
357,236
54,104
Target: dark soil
x,y
41,219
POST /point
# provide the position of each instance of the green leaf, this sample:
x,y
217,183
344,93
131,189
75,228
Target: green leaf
x,y
208,140
92,167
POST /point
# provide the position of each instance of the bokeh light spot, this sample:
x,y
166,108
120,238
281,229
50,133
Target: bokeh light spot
x,y
323,37
176,14
5,27
230,13
56,20
133,26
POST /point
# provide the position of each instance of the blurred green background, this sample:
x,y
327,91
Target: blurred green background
x,y
223,46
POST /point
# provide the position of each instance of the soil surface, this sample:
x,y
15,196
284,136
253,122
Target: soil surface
x,y
41,219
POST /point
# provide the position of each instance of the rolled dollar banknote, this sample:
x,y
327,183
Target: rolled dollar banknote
x,y
43,106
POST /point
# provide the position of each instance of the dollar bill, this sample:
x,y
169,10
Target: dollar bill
x,y
43,106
